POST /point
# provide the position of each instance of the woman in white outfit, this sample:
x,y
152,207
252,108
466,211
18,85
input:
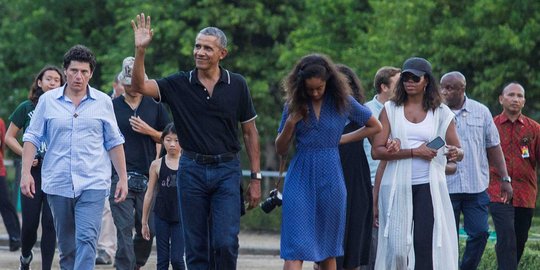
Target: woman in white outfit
x,y
412,205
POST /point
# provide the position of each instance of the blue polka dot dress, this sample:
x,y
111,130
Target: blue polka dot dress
x,y
314,194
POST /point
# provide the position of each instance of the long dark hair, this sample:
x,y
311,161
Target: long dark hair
x,y
35,90
432,96
315,66
358,91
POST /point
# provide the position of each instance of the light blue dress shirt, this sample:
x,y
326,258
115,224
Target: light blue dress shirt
x,y
477,132
376,107
78,140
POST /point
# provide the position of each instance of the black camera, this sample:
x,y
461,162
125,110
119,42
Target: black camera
x,y
275,199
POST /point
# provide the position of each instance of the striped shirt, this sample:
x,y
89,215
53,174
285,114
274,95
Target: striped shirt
x,y
477,132
78,140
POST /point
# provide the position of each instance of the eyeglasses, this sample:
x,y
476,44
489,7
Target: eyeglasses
x,y
408,76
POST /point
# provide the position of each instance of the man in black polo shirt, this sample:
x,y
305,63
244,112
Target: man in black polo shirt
x,y
140,120
207,103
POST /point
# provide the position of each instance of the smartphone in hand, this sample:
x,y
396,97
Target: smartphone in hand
x,y
436,143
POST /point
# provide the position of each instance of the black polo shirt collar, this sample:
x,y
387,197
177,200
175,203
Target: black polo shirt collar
x,y
225,76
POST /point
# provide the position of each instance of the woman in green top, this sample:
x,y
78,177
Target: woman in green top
x,y
48,78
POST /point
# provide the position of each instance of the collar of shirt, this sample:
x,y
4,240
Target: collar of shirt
x,y
225,77
376,100
504,118
89,91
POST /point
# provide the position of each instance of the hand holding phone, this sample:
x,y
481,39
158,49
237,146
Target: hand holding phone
x,y
436,143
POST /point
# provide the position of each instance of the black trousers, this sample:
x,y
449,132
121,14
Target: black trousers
x,y
8,212
32,210
423,220
512,226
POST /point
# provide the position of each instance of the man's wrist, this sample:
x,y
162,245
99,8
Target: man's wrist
x,y
506,179
256,175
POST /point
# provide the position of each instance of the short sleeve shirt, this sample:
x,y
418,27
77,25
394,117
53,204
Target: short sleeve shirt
x,y
140,149
22,114
21,118
476,132
520,142
208,124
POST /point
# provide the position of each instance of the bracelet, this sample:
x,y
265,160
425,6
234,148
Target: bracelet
x,y
412,155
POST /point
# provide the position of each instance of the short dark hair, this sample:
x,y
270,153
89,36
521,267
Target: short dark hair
x,y
80,53
508,84
215,32
383,76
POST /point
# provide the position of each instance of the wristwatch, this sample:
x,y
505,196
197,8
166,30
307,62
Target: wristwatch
x,y
507,179
256,175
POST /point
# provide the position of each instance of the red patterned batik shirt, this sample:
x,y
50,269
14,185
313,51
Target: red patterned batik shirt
x,y
520,142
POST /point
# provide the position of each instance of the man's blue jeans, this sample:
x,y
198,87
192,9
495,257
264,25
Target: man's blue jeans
x,y
78,222
475,223
210,190
169,244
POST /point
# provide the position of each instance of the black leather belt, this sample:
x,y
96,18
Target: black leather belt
x,y
209,159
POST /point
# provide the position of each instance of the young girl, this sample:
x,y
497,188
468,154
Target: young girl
x,y
48,78
314,196
168,228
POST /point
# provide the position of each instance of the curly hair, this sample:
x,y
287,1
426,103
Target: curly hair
x,y
432,96
35,90
315,66
80,53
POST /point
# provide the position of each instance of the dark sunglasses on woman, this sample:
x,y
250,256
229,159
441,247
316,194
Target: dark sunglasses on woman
x,y
407,76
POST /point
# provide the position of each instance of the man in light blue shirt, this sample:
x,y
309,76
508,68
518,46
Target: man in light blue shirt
x,y
384,83
480,141
77,124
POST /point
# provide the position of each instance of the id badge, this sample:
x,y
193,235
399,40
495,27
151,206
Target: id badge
x,y
524,151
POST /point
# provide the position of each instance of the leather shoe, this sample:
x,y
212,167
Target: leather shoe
x,y
14,244
103,258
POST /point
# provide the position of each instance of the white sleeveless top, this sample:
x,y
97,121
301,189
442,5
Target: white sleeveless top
x,y
419,133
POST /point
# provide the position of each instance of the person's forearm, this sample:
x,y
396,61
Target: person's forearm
x,y
118,160
28,153
251,140
14,145
146,206
137,80
156,136
381,153
496,160
284,138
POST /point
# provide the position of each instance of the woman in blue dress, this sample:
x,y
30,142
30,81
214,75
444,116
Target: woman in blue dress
x,y
318,106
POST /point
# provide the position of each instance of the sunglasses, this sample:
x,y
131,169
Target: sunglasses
x,y
408,76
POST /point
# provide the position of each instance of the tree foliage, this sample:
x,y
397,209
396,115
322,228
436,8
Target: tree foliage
x,y
492,42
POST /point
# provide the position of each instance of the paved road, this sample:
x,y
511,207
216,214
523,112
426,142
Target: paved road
x,y
258,251
10,260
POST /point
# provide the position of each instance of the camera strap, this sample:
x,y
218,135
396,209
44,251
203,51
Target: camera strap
x,y
282,164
